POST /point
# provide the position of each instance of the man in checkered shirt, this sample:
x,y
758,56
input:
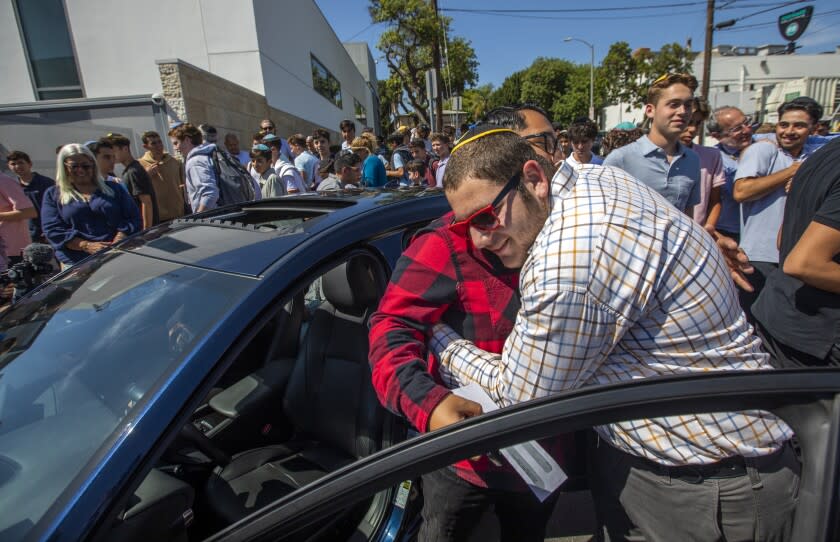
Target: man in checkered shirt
x,y
617,284
442,277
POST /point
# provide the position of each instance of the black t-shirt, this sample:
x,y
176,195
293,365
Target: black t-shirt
x,y
801,316
139,183
35,192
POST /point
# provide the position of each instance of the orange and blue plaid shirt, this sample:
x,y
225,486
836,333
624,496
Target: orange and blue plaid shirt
x,y
620,285
441,277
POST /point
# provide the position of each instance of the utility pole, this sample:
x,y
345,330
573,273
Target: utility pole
x,y
438,120
707,49
707,54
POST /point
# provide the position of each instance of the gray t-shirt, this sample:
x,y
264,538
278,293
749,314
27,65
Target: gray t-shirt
x,y
761,218
678,181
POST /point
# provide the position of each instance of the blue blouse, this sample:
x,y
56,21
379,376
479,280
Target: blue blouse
x,y
96,220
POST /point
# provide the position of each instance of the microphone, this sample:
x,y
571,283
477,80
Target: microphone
x,y
38,254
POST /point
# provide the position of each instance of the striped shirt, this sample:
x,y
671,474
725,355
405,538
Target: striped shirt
x,y
619,285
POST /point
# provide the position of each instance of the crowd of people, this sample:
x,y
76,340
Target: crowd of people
x,y
655,256
604,273
84,206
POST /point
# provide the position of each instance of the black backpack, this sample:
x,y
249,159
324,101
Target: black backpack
x,y
233,180
405,154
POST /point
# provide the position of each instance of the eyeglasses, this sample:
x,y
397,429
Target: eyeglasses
x,y
74,165
549,141
739,129
486,219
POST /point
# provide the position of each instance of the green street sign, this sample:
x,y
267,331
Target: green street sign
x,y
792,25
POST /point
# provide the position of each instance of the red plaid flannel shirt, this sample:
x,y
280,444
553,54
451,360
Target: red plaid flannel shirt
x,y
440,277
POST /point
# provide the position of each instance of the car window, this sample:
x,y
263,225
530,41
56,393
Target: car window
x,y
79,355
295,405
707,469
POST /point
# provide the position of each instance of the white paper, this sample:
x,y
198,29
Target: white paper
x,y
539,470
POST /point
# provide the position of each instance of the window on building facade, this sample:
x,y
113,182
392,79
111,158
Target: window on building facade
x,y
46,39
361,112
325,82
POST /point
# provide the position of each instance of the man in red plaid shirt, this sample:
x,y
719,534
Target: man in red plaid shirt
x,y
443,277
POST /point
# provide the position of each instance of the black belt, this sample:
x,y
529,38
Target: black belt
x,y
731,467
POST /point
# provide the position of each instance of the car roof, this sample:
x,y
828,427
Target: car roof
x,y
247,238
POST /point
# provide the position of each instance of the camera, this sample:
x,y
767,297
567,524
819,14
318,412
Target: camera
x,y
36,267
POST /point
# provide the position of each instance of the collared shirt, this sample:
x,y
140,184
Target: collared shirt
x,y
308,163
15,233
678,181
96,220
619,285
711,176
439,277
35,189
595,160
730,210
761,218
441,169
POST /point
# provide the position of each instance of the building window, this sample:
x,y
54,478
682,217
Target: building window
x,y
361,112
43,25
325,83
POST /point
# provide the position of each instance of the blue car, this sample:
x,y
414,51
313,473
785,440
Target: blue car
x,y
209,378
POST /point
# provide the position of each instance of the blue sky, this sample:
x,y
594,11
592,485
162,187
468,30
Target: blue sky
x,y
510,42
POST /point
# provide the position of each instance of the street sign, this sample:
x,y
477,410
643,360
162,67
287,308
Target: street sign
x,y
792,25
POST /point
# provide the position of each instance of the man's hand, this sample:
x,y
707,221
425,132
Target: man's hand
x,y
736,259
451,410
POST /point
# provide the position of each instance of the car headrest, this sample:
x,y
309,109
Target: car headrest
x,y
352,287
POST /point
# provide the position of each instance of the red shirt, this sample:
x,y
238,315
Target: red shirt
x,y
440,277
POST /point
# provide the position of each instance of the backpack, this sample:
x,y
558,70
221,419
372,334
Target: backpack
x,y
405,154
233,180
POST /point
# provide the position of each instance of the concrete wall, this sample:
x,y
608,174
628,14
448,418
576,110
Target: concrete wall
x,y
360,54
117,42
288,33
16,85
263,46
198,96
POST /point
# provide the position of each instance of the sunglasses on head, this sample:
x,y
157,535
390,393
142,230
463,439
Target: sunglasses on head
x,y
486,219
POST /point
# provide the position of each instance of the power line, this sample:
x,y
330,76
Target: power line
x,y
572,10
746,27
581,18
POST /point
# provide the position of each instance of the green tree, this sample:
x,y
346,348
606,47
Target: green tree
x,y
510,92
632,72
408,46
476,101
558,86
389,91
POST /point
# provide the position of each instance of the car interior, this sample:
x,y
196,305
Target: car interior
x,y
295,404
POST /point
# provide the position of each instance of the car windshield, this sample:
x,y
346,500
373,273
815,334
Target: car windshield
x,y
77,356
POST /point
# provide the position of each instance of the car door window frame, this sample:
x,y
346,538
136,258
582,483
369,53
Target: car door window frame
x,y
807,402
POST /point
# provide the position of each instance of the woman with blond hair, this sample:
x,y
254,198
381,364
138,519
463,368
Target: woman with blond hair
x,y
373,172
83,213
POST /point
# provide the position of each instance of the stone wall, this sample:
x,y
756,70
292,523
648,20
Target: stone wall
x,y
198,96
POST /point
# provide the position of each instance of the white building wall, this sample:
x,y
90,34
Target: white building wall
x,y
117,42
15,83
262,45
287,34
735,80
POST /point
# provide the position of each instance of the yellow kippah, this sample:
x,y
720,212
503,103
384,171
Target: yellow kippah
x,y
471,136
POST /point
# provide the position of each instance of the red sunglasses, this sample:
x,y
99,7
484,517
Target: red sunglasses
x,y
486,219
